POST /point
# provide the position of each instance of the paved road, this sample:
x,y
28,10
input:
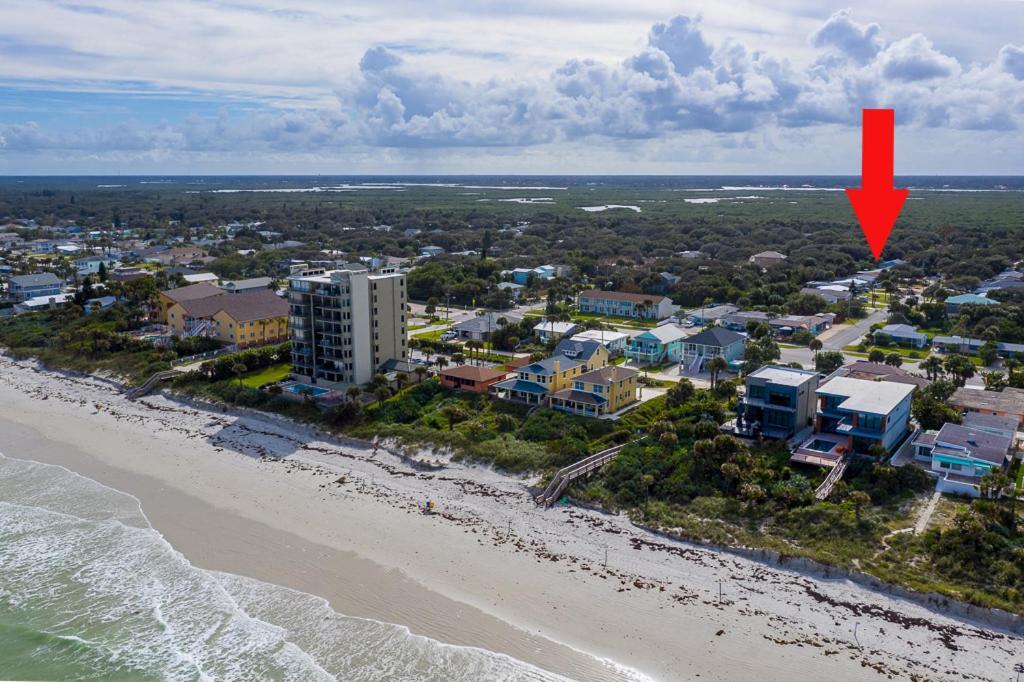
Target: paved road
x,y
844,336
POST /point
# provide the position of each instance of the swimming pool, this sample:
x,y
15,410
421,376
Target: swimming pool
x,y
821,445
301,389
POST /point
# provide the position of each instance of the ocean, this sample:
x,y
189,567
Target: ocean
x,y
90,591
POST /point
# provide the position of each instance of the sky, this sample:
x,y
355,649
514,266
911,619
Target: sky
x,y
112,87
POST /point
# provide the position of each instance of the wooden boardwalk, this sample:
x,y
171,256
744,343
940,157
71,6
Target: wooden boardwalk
x,y
825,489
574,471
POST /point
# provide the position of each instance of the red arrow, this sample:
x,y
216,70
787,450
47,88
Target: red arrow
x,y
877,204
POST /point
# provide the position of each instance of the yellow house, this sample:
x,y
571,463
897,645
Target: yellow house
x,y
536,380
246,319
598,392
193,292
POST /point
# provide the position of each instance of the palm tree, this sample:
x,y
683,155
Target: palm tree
x,y
239,369
401,379
421,372
894,359
716,366
815,345
932,366
441,362
353,393
459,359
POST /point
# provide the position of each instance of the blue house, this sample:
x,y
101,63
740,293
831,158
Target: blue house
x,y
853,415
658,345
901,334
953,303
713,341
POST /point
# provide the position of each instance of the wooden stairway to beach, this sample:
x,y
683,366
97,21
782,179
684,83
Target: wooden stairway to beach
x,y
825,489
573,471
151,383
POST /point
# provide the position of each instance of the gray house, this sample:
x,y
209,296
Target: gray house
x,y
24,287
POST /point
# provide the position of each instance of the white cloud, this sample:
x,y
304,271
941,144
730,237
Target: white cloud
x,y
402,95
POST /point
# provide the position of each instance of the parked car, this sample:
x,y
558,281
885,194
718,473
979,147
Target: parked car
x,y
449,335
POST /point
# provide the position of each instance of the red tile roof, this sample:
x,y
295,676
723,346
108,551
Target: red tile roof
x,y
473,373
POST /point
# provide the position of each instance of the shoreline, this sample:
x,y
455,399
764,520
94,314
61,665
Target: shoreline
x,y
230,490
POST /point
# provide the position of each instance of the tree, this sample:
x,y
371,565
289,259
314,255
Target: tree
x,y
239,369
353,393
859,501
876,355
960,367
716,366
932,366
994,381
988,353
441,362
102,272
815,345
894,359
453,413
931,413
431,306
829,361
679,394
421,373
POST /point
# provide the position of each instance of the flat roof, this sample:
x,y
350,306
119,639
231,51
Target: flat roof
x,y
1009,400
783,376
876,397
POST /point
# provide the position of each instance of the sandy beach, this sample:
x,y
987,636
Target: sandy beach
x,y
271,500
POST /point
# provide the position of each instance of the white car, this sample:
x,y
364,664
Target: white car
x,y
448,336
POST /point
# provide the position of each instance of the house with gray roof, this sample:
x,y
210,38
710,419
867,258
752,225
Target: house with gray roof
x,y
42,284
712,342
901,334
481,327
961,454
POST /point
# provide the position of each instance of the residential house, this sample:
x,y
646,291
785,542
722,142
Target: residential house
x,y
812,324
767,259
876,371
523,275
778,402
852,416
615,342
9,240
831,294
710,343
953,303
655,346
1006,403
969,346
712,313
244,285
252,319
431,251
515,291
591,353
599,392
129,274
666,282
998,284
36,303
173,256
471,378
739,321
42,284
90,265
622,304
534,382
481,327
961,454
548,330
97,304
191,292
900,334
689,254
201,277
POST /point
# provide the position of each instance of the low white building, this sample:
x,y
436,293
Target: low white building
x,y
615,342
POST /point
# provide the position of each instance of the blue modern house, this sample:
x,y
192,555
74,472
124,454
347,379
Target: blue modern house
x,y
901,334
854,415
778,402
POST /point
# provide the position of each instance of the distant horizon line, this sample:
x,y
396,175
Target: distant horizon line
x,y
501,175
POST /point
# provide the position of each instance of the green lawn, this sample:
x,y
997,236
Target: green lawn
x,y
433,335
267,375
626,321
910,353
